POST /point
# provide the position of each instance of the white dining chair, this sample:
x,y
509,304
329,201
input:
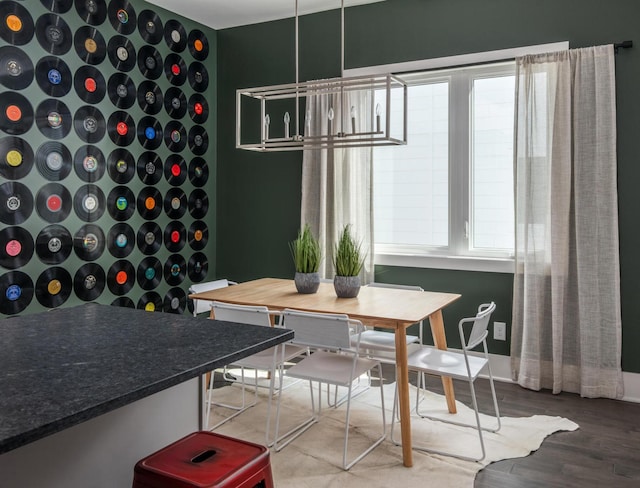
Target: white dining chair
x,y
201,306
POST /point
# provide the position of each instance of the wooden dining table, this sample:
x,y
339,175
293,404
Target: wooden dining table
x,y
387,308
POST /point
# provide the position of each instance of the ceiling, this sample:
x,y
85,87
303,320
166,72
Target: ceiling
x,y
220,14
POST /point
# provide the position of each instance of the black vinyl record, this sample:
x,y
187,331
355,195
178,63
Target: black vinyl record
x,y
121,277
175,136
121,52
175,36
175,236
16,292
88,242
149,203
90,45
89,163
198,108
150,302
175,301
175,103
149,97
198,76
53,34
175,203
149,238
53,287
149,62
53,161
54,244
197,267
89,203
198,235
149,273
149,133
16,203
16,158
17,24
150,26
175,69
198,140
121,166
53,76
89,84
175,269
53,118
53,203
16,247
120,240
88,282
121,128
198,203
149,168
122,16
57,6
122,91
92,12
16,113
125,302
175,170
198,45
16,68
121,203
198,172
89,124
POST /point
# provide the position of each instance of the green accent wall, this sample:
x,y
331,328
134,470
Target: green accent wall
x,y
259,194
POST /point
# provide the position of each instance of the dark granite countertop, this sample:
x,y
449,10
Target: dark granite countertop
x,y
63,367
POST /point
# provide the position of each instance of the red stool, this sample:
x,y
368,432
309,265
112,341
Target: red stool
x,y
205,460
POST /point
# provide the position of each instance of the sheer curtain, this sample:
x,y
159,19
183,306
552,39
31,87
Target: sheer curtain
x,y
566,307
337,184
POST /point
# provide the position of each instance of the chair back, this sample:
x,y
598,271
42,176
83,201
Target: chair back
x,y
201,306
396,286
319,330
244,314
479,330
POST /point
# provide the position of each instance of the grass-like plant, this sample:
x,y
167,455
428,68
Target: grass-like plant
x,y
306,251
348,257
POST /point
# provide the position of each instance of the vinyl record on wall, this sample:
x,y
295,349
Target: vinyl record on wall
x,y
175,36
16,68
53,287
89,163
150,27
53,76
16,158
175,170
198,76
53,34
57,6
175,103
89,242
149,97
89,84
54,244
92,12
16,292
197,267
53,203
149,238
175,136
198,172
16,203
175,203
149,168
122,91
121,52
198,203
125,302
149,203
121,277
89,124
53,161
53,118
175,69
175,269
89,203
120,240
17,25
88,282
90,45
175,301
121,166
175,236
16,113
198,108
198,140
149,133
149,273
16,247
198,235
122,16
121,203
121,128
198,45
149,62
150,302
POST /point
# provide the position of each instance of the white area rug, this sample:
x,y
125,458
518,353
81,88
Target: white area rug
x,y
314,459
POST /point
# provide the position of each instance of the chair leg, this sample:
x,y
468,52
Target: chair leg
x,y
238,409
296,431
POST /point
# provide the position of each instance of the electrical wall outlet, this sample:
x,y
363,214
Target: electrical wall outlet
x,y
499,331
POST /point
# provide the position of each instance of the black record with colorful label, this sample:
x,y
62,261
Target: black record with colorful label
x,y
121,240
89,163
150,26
175,301
16,247
53,119
149,133
122,16
53,202
89,84
53,161
122,53
175,269
121,128
149,238
16,203
121,166
149,203
198,235
53,287
16,292
149,97
198,108
121,203
16,68
17,25
198,45
175,36
90,45
16,113
198,172
54,244
175,236
121,277
175,170
89,281
53,34
175,203
16,158
175,69
53,76
89,242
175,136
149,273
150,302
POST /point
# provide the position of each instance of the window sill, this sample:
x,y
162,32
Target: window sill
x,y
461,263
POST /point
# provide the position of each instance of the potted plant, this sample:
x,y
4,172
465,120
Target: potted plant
x,y
348,260
306,257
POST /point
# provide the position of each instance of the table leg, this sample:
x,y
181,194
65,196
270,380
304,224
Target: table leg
x,y
440,341
402,380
